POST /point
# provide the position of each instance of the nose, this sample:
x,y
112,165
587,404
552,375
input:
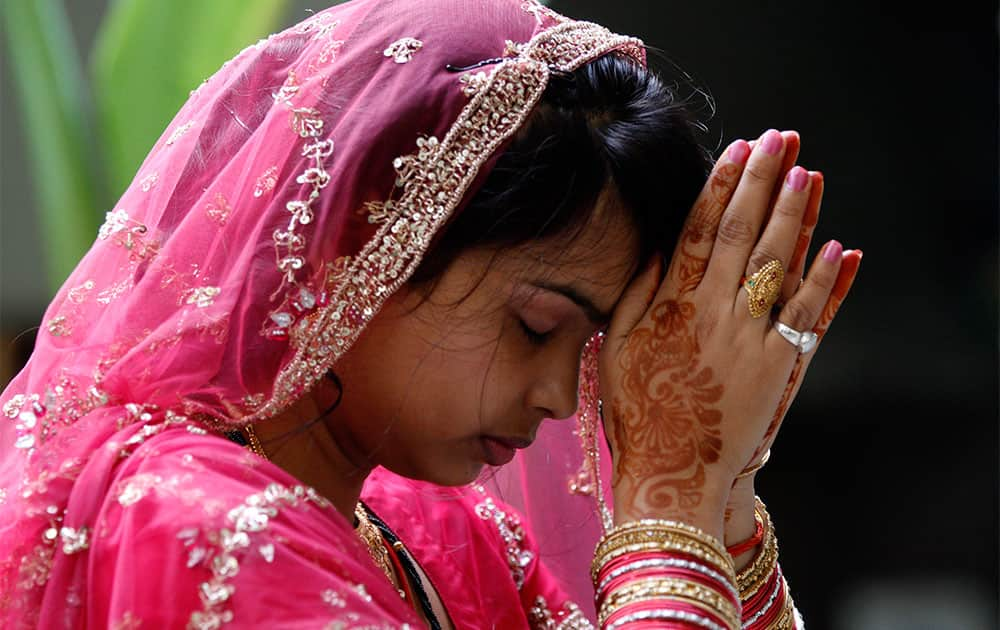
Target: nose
x,y
554,391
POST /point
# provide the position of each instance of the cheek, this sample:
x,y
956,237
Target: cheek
x,y
436,384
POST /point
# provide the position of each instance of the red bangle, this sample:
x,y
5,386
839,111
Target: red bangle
x,y
741,548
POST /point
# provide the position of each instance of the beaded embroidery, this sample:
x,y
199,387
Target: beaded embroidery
x,y
569,617
430,184
221,551
402,50
509,527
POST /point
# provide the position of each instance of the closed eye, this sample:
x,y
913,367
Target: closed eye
x,y
535,337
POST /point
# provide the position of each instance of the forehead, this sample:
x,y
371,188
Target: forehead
x,y
597,258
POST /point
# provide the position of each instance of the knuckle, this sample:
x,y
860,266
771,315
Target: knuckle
x,y
761,255
824,281
789,208
723,180
735,230
757,174
798,314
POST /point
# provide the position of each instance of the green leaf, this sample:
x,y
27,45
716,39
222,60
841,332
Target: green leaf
x,y
148,57
50,87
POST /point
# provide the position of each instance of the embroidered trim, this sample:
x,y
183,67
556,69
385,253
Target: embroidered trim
x,y
509,527
587,480
569,617
433,182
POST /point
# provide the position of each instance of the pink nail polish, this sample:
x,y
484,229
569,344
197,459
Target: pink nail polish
x,y
797,179
832,251
771,142
738,152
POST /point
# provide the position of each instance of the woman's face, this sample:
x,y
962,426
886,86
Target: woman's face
x,y
441,384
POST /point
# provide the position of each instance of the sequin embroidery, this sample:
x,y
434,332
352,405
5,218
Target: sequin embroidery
x,y
569,617
402,50
509,527
430,184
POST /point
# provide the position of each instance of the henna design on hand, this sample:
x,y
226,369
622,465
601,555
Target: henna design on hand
x,y
665,425
701,226
848,271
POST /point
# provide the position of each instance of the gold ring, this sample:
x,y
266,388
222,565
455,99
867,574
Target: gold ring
x,y
764,288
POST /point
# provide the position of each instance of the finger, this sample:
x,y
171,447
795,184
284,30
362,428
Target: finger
x,y
796,265
741,222
803,311
793,142
792,145
781,234
850,262
694,247
635,300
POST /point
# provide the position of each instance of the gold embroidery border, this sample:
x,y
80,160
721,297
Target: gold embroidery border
x,y
514,87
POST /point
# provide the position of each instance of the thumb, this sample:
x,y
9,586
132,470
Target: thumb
x,y
636,299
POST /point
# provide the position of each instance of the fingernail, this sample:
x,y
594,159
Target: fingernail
x,y
797,179
771,142
832,251
738,152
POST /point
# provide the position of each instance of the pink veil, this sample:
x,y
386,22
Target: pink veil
x,y
296,189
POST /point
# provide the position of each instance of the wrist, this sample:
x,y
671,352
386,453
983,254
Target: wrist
x,y
740,520
706,512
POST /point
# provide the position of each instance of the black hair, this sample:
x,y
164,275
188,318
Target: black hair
x,y
611,122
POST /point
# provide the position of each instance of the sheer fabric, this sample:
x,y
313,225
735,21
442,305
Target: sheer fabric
x,y
296,189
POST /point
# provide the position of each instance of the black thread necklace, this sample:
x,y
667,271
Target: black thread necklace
x,y
396,545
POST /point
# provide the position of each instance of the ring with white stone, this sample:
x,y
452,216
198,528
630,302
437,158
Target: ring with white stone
x,y
804,341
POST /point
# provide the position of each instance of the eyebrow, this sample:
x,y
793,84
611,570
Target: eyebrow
x,y
594,314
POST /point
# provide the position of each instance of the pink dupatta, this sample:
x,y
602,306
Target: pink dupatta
x,y
296,189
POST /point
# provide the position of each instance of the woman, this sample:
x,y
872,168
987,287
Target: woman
x,y
383,237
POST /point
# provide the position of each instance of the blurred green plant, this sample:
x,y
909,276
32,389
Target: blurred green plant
x,y
84,150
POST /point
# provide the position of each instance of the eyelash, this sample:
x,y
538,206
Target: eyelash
x,y
533,336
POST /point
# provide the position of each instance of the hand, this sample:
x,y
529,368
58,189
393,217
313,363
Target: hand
x,y
693,381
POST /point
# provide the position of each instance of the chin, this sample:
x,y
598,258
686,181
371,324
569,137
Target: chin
x,y
442,474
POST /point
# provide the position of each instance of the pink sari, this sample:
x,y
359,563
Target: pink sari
x,y
296,189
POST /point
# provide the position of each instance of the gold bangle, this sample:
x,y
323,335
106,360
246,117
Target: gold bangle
x,y
682,529
728,620
627,543
755,575
752,469
673,588
657,535
786,621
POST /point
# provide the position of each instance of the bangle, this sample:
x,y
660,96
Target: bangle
x,y
749,470
759,609
753,577
687,616
654,569
758,536
696,595
642,561
660,535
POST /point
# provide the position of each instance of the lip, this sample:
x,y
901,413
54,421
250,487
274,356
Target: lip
x,y
500,450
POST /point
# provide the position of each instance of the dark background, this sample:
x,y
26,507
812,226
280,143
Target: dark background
x,y
883,482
